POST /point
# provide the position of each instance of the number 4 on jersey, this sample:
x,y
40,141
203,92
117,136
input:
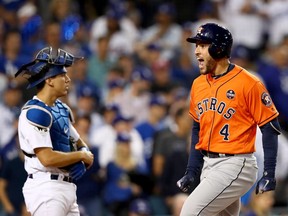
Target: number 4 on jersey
x,y
225,132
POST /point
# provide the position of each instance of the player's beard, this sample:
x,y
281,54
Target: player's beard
x,y
209,66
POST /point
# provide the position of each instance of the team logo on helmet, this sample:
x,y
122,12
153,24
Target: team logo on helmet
x,y
266,99
230,94
199,30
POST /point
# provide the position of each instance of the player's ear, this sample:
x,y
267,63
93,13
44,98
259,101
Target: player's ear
x,y
49,82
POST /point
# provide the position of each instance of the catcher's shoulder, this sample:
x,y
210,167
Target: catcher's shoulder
x,y
38,114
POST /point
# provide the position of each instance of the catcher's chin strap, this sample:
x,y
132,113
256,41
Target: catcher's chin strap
x,y
28,155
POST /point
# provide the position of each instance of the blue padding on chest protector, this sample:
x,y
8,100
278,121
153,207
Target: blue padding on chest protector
x,y
39,117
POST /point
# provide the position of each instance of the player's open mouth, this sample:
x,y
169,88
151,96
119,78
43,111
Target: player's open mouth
x,y
201,62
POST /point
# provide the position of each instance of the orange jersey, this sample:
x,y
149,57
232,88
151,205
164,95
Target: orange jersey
x,y
229,109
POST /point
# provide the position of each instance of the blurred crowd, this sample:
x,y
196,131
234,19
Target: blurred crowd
x,y
130,94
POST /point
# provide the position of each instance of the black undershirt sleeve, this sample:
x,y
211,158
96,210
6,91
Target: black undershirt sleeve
x,y
270,132
195,161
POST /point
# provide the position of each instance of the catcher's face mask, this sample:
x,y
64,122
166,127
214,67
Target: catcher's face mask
x,y
45,65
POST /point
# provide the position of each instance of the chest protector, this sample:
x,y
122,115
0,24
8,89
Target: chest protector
x,y
59,127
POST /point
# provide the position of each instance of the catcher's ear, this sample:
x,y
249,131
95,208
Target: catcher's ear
x,y
49,82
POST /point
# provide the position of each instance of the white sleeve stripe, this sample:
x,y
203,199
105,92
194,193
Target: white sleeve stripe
x,y
275,128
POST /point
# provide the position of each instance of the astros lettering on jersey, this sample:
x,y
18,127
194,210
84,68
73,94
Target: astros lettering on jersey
x,y
222,105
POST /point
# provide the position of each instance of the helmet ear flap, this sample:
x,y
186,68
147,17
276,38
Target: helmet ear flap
x,y
216,52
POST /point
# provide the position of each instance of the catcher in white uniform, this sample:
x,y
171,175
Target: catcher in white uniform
x,y
55,155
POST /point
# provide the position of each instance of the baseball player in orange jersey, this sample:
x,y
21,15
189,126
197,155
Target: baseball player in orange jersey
x,y
227,103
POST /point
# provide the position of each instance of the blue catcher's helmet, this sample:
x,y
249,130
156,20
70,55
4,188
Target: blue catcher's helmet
x,y
219,38
45,65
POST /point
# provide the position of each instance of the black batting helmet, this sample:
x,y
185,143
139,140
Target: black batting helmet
x,y
219,38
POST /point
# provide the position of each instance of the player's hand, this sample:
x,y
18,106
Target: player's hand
x,y
77,170
266,183
87,158
185,182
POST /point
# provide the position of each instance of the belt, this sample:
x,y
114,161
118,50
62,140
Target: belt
x,y
215,155
55,177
